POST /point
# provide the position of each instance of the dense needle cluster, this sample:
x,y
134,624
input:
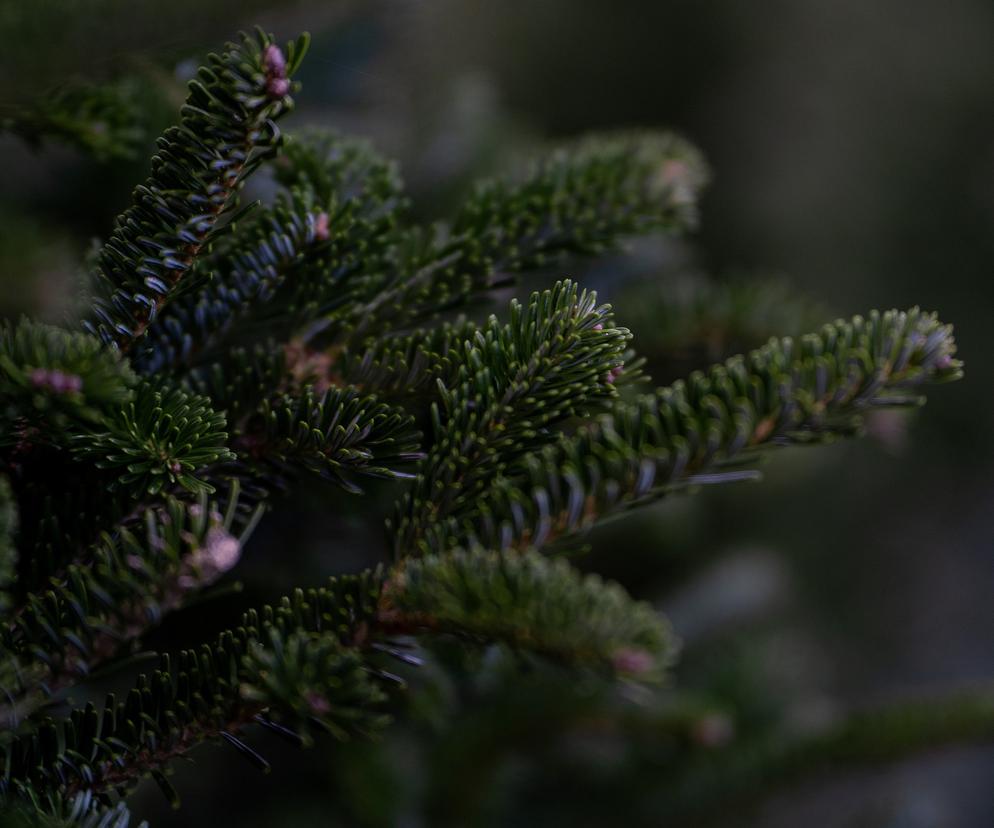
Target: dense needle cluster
x,y
231,349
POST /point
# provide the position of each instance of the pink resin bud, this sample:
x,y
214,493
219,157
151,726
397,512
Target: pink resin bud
x,y
715,730
273,60
56,381
277,87
274,63
321,229
632,661
318,704
612,376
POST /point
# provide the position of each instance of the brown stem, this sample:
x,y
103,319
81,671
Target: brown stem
x,y
110,776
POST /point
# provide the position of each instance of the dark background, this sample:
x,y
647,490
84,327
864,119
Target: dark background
x,y
852,150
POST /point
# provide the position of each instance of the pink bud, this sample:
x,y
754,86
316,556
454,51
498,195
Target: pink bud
x,y
273,60
56,381
321,229
612,376
317,703
713,730
598,327
277,87
632,661
274,63
223,550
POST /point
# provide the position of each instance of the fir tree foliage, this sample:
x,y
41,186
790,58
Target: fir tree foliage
x,y
581,201
227,129
520,379
712,427
159,439
533,604
56,382
328,239
102,119
689,320
339,435
228,352
131,579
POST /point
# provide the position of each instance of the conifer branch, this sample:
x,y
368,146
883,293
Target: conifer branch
x,y
339,435
532,604
517,381
362,196
129,581
297,660
58,524
237,385
703,430
307,661
83,810
256,262
581,201
161,439
408,365
327,235
227,128
227,351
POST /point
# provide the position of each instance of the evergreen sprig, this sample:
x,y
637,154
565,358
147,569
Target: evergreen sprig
x,y
213,693
248,376
705,430
83,810
362,196
53,382
408,365
580,201
516,382
339,435
310,661
255,262
162,438
227,129
128,582
326,239
316,675
532,604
